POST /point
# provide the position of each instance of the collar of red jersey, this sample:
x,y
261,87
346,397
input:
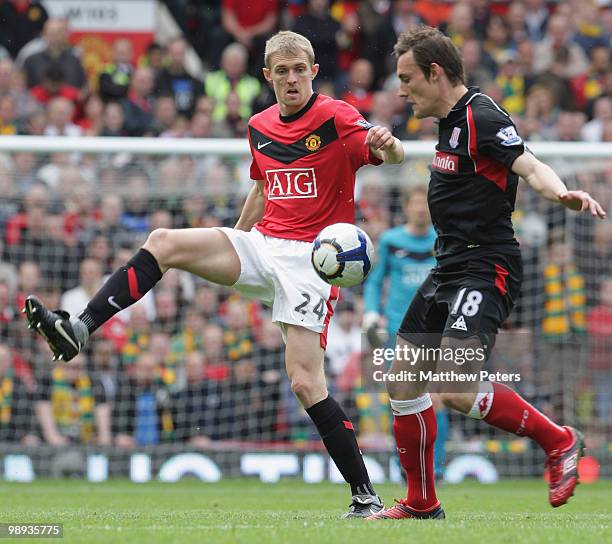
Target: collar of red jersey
x,y
295,116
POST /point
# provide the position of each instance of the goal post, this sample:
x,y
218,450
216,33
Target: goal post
x,y
72,209
234,146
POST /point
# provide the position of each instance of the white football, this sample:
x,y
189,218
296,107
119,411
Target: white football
x,y
342,254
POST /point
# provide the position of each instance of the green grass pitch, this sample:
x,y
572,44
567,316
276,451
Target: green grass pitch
x,y
293,512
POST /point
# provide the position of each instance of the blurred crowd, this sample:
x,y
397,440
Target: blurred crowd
x,y
547,63
194,362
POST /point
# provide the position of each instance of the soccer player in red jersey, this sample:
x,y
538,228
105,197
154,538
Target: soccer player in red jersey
x,y
306,150
472,289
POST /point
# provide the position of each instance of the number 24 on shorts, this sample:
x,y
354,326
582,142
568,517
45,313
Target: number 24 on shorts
x,y
318,309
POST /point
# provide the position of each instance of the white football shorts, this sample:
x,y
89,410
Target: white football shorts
x,y
279,273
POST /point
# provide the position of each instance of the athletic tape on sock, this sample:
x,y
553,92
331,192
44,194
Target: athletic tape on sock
x,y
483,402
412,406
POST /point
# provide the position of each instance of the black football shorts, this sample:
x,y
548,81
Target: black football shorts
x,y
464,299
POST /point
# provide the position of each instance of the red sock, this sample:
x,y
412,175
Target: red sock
x,y
415,435
512,413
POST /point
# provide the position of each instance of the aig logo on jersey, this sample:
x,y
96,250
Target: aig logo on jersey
x,y
508,136
313,142
446,162
291,183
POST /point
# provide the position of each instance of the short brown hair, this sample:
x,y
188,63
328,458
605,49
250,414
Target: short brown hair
x,y
430,45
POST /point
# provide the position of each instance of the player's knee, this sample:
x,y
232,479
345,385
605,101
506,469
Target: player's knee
x,y
160,246
301,387
461,402
307,389
400,391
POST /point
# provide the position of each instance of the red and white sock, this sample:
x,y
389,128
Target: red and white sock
x,y
415,431
503,408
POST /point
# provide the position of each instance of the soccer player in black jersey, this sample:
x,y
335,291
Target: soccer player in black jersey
x,y
474,175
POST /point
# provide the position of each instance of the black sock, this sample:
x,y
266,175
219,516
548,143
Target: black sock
x,y
338,435
125,286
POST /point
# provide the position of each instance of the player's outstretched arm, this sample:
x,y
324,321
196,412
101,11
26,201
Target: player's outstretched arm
x,y
384,145
253,208
545,181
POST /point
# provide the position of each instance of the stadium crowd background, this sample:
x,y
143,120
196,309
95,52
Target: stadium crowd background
x,y
194,362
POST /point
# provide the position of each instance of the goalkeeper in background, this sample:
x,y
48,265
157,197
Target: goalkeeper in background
x,y
405,258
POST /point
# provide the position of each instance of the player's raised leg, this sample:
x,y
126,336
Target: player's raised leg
x,y
304,361
207,253
500,406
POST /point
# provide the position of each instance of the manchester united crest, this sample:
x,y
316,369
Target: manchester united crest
x,y
313,142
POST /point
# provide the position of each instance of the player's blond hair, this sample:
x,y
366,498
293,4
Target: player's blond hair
x,y
289,43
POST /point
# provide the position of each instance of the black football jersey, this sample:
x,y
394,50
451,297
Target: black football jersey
x,y
472,189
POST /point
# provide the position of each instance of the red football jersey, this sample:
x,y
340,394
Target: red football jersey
x,y
307,162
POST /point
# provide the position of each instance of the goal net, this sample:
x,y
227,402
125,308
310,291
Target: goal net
x,y
195,370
